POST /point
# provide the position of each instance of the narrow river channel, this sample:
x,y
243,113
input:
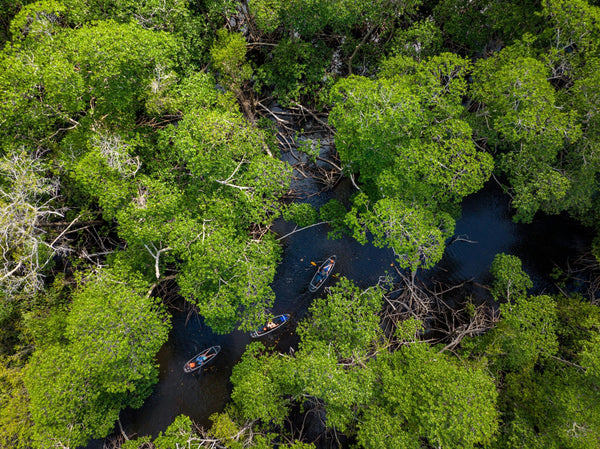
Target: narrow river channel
x,y
485,222
485,228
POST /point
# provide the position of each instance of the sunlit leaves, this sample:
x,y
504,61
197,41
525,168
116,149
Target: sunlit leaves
x,y
557,406
37,21
526,333
380,430
347,318
117,63
308,17
39,88
229,58
575,24
257,390
403,134
114,331
416,234
15,421
523,108
229,278
522,103
447,403
511,281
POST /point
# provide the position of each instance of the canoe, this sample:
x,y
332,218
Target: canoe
x,y
201,359
322,274
270,326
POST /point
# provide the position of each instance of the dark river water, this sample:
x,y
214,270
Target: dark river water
x,y
485,222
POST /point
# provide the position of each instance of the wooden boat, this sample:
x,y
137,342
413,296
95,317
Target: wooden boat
x,y
201,359
269,327
322,274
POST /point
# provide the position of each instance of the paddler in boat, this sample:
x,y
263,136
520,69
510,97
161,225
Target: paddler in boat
x,y
325,270
199,359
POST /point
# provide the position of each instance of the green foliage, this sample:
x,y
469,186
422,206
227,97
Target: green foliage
x,y
557,407
303,214
590,356
229,279
407,331
15,421
90,86
99,71
105,173
168,15
416,235
440,400
347,319
578,322
475,27
78,389
403,133
522,105
8,10
43,316
522,101
573,24
39,89
526,333
226,156
380,430
266,14
226,181
256,387
433,397
196,91
299,445
416,158
295,69
37,20
229,58
335,213
510,281
423,39
234,437
308,17
116,63
343,390
179,433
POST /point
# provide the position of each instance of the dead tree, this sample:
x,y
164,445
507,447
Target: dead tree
x,y
443,322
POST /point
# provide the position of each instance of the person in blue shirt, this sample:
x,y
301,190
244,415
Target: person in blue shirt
x,y
325,270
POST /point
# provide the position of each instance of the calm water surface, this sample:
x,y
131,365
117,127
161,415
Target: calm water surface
x,y
485,221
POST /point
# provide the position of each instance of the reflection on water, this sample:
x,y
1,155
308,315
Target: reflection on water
x,y
486,221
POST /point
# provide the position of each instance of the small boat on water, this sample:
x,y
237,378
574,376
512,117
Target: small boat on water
x,y
322,274
201,359
270,326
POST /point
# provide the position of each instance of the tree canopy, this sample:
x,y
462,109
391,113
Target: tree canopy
x,y
141,158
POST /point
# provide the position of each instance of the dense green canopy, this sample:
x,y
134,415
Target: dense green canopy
x,y
140,154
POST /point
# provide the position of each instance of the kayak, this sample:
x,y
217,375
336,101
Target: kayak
x,y
322,274
270,326
201,359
